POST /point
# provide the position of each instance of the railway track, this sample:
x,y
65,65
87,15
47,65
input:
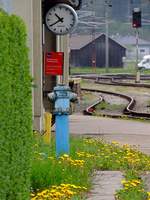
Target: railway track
x,y
128,110
115,80
111,79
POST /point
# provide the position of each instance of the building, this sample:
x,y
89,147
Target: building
x,y
40,41
84,50
130,43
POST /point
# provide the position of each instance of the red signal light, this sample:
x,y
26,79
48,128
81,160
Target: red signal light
x,y
136,18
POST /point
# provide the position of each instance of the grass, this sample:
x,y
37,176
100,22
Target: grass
x,y
88,97
129,69
101,70
133,187
109,107
69,176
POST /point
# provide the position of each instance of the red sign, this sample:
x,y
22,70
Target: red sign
x,y
54,62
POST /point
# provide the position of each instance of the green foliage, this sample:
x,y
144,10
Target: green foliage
x,y
133,187
109,107
15,110
86,155
98,70
48,171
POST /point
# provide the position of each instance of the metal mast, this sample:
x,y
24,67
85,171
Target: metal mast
x,y
93,39
107,5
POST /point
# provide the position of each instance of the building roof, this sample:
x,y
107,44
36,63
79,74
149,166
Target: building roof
x,y
129,40
79,41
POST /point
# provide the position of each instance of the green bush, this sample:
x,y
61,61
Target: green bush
x,y
15,110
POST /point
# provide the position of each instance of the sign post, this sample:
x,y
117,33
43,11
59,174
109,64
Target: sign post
x,y
137,58
136,23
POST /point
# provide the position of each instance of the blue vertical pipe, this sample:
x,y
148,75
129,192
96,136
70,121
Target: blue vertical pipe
x,y
62,135
62,105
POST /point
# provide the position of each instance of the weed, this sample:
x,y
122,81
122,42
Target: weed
x,y
110,107
86,155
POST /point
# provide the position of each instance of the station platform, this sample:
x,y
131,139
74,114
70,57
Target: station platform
x,y
124,131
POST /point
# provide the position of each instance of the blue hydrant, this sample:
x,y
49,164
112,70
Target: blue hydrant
x,y
62,96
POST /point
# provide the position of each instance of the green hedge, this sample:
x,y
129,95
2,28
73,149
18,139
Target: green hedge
x,y
15,110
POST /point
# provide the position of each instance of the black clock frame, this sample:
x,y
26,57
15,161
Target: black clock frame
x,y
47,4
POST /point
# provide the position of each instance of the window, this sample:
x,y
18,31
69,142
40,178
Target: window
x,y
142,50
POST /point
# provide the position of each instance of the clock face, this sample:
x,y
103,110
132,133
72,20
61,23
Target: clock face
x,y
61,19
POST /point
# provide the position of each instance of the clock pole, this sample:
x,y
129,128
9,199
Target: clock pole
x,y
66,59
61,20
59,49
63,46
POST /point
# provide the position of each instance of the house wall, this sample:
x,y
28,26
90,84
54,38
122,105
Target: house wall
x,y
75,58
30,11
40,40
116,54
142,51
83,57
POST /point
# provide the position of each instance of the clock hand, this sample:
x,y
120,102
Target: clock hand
x,y
57,21
61,19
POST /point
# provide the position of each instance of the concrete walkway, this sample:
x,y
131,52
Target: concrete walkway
x,y
101,185
125,131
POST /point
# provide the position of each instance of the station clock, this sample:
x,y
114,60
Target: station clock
x,y
61,19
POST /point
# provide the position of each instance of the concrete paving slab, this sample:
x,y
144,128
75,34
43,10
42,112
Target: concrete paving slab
x,y
101,185
125,131
101,198
80,124
146,179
